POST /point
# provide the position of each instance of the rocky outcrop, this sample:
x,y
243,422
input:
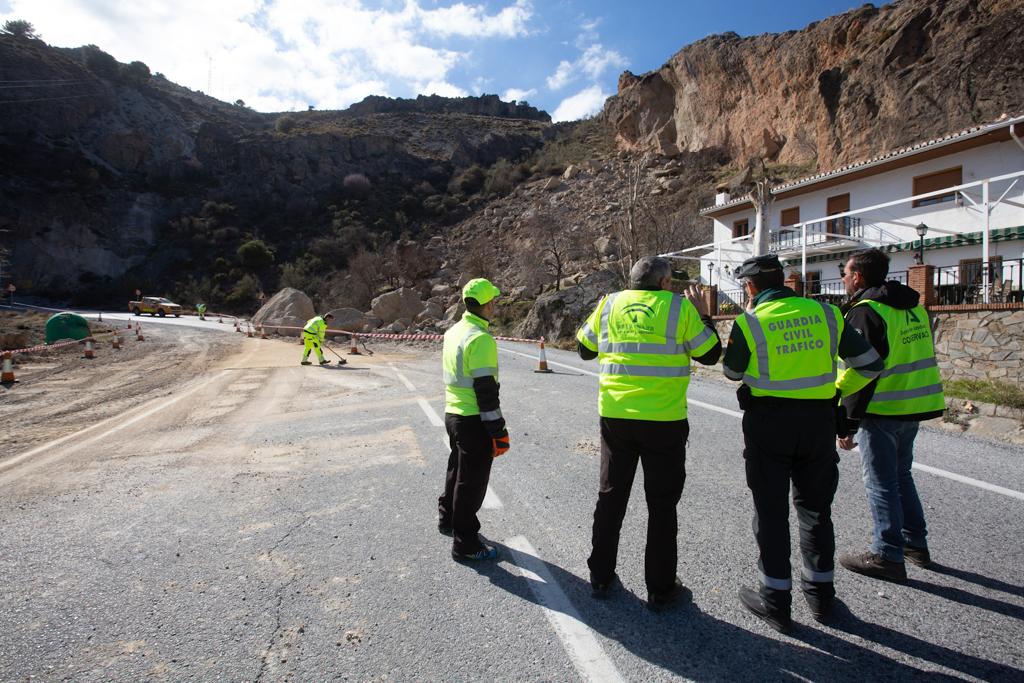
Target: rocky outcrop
x,y
559,314
485,105
840,90
404,303
288,308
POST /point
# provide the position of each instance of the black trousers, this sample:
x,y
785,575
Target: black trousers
x,y
465,484
661,448
792,443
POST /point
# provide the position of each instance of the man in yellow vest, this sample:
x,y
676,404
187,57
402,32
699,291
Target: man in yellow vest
x,y
644,338
313,335
784,349
885,414
472,416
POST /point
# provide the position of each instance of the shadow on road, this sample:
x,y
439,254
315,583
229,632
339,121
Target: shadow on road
x,y
688,642
983,581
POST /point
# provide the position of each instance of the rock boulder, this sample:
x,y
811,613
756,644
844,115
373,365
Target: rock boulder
x,y
401,303
287,308
558,315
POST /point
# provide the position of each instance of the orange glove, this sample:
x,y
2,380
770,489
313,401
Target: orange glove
x,y
501,445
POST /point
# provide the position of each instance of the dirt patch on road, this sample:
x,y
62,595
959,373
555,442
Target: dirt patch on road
x,y
59,392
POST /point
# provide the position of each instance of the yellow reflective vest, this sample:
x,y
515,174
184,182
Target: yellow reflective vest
x,y
468,352
644,341
794,344
316,327
910,384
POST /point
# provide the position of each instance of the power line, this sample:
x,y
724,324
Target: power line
x,y
49,99
43,85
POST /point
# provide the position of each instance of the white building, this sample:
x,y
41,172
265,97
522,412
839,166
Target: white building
x,y
965,191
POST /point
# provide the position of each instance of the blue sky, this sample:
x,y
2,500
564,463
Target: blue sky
x,y
562,56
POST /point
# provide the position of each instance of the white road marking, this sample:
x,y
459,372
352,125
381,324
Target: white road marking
x,y
734,413
577,638
967,480
405,380
124,422
432,415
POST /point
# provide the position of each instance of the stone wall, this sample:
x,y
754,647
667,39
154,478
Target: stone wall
x,y
980,344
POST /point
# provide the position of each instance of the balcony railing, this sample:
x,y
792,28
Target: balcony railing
x,y
963,283
820,233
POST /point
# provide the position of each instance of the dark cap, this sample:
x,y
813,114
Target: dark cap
x,y
758,264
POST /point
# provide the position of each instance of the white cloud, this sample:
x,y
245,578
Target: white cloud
x,y
442,88
592,64
466,20
517,95
563,74
279,54
584,103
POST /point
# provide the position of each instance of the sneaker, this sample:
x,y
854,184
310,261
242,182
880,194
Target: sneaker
x,y
756,605
602,589
870,564
660,601
919,556
325,362
488,552
305,362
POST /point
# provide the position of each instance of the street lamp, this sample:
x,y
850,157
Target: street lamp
x,y
711,265
921,230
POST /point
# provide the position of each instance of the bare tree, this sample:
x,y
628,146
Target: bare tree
x,y
554,247
366,269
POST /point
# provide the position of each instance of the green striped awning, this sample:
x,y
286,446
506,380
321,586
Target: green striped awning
x,y
944,242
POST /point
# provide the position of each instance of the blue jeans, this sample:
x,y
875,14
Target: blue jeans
x,y
887,452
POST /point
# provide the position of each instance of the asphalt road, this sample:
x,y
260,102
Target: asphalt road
x,y
271,522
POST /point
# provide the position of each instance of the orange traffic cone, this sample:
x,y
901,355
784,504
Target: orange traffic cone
x,y
248,331
263,332
116,342
220,319
353,350
542,361
89,352
138,333
7,376
236,326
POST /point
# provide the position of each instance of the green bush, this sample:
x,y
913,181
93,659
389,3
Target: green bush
x,y
255,256
986,391
100,63
136,73
19,28
284,124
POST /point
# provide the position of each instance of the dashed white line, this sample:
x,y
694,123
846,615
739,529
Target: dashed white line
x,y
577,638
432,415
735,413
405,380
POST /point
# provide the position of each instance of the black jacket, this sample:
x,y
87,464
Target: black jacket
x,y
866,321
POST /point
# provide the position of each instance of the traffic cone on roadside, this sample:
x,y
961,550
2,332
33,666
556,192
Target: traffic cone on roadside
x,y
116,342
263,332
542,361
248,331
353,350
89,351
220,319
101,318
138,333
236,325
7,376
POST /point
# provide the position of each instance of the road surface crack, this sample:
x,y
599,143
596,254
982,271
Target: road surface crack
x,y
279,601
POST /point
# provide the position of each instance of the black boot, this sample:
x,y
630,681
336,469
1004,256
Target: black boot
x,y
777,617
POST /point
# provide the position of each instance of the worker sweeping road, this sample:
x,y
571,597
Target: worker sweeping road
x,y
313,335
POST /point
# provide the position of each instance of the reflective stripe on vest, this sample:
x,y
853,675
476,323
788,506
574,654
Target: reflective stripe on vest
x,y
765,381
910,384
459,378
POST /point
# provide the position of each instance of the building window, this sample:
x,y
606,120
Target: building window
x,y
937,181
838,204
790,216
970,270
741,228
812,284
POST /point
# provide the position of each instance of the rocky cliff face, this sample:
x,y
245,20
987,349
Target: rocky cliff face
x,y
94,167
842,89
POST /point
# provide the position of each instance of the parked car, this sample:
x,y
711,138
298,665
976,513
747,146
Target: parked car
x,y
155,305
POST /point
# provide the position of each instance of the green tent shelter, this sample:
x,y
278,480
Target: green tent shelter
x,y
66,326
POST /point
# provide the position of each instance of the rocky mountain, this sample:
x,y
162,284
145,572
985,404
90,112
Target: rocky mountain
x,y
845,88
105,168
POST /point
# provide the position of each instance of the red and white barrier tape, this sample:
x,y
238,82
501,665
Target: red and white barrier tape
x,y
43,347
390,335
